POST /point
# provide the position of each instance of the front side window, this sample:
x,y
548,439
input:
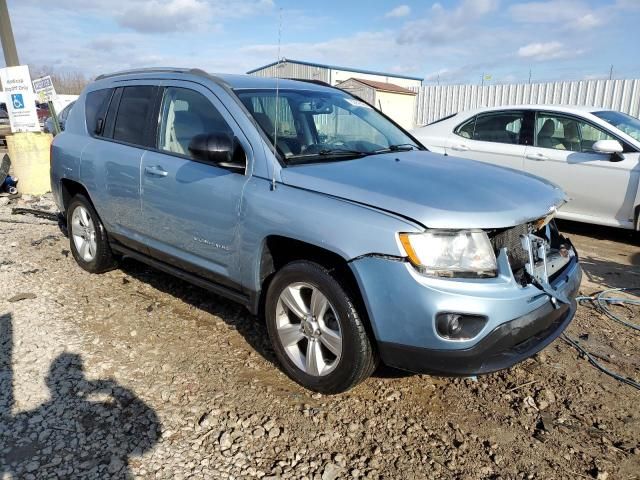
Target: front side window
x,y
501,127
567,133
133,114
184,114
311,126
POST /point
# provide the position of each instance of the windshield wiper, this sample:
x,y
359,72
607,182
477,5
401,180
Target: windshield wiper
x,y
401,147
329,152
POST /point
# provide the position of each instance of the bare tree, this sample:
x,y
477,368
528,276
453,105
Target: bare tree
x,y
65,82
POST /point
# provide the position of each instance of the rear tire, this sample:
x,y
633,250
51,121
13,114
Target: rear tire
x,y
315,329
87,237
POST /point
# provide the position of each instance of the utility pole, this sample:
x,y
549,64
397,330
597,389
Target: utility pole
x,y
611,73
529,76
6,37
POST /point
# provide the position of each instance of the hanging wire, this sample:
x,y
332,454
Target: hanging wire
x,y
601,302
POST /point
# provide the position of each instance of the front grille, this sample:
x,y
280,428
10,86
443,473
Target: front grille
x,y
510,239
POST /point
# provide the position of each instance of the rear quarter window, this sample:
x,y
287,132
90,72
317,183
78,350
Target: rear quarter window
x,y
466,129
95,109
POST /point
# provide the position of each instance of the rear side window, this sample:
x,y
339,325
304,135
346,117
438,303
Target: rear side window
x,y
96,109
499,127
133,115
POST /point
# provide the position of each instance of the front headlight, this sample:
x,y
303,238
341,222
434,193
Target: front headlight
x,y
444,253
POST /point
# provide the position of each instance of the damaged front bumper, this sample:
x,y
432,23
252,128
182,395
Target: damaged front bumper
x,y
525,308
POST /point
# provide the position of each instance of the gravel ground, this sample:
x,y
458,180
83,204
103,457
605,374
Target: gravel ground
x,y
136,374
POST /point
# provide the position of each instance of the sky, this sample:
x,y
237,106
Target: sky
x,y
450,41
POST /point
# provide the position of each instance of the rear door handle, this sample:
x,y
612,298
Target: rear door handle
x,y
156,171
539,157
460,148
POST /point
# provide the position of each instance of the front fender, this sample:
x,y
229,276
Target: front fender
x,y
344,228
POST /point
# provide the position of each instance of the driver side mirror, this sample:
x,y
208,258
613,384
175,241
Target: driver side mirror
x,y
220,149
609,147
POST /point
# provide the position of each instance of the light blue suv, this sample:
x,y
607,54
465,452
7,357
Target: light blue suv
x,y
318,212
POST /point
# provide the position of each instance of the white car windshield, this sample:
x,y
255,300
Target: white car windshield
x,y
316,126
622,121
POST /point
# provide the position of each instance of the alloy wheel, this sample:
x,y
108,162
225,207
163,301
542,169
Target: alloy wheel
x,y
83,232
308,329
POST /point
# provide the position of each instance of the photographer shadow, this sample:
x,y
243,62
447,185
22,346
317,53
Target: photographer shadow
x,y
87,429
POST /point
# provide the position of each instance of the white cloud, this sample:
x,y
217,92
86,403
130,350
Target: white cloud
x,y
399,11
568,14
443,25
586,22
545,51
161,16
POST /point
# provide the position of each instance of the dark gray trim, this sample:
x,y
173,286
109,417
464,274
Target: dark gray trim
x,y
206,280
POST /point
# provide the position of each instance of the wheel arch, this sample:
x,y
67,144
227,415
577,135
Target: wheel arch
x,y
278,250
69,189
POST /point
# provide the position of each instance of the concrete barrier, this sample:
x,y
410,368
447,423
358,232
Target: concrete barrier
x,y
29,154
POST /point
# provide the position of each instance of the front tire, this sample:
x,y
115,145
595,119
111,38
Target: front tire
x,y
87,237
315,329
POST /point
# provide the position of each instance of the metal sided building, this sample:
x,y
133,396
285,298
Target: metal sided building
x,y
330,74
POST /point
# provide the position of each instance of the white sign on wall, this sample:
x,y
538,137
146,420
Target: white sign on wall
x,y
21,101
44,89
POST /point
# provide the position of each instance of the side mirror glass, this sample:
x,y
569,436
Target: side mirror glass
x,y
220,149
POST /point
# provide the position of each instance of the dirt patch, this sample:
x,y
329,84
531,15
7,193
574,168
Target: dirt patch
x,y
201,371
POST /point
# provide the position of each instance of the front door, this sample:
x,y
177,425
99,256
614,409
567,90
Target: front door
x,y
599,190
191,208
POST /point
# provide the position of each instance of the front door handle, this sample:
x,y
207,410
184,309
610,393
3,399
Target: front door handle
x,y
460,148
156,171
539,157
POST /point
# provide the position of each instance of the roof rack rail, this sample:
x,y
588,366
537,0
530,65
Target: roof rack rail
x,y
144,70
307,80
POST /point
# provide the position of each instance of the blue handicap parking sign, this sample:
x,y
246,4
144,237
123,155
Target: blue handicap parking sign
x,y
17,101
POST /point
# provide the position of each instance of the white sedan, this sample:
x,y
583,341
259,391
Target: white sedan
x,y
592,153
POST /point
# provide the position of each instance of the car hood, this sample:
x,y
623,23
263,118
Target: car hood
x,y
434,190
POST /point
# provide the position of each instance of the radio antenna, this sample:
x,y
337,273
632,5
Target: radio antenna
x,y
275,127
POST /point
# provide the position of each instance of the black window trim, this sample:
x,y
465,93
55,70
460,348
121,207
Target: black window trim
x,y
626,146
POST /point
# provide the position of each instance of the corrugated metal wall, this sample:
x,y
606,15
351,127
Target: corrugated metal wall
x,y
294,70
436,101
360,90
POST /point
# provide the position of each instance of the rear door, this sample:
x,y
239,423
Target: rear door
x,y
599,190
498,138
119,122
190,207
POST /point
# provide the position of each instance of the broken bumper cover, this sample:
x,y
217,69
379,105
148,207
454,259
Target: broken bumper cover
x,y
506,345
521,321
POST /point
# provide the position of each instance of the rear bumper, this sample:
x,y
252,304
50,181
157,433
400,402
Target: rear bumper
x,y
502,348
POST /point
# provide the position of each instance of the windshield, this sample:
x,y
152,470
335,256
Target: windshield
x,y
317,126
622,121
